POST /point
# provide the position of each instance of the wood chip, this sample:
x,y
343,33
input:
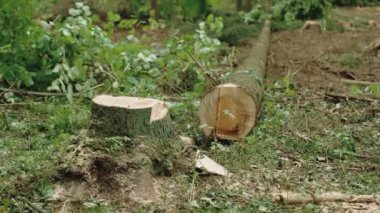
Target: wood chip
x,y
206,163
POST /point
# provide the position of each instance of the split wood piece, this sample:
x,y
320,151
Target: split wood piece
x,y
230,110
312,25
347,25
208,164
130,116
292,198
372,23
373,48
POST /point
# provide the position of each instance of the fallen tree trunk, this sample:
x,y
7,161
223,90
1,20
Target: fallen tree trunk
x,y
291,198
230,110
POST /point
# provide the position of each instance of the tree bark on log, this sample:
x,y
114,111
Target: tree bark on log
x,y
230,110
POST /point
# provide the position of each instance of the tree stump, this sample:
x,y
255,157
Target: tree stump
x,y
130,116
143,119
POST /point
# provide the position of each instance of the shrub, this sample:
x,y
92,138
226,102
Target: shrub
x,y
354,2
17,34
290,10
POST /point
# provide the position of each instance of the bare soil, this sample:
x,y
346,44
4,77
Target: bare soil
x,y
313,60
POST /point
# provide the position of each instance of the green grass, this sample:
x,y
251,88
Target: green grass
x,y
32,135
300,144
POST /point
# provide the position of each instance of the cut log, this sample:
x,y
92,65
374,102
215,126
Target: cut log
x,y
229,111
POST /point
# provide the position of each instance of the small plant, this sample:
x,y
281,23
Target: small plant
x,y
350,60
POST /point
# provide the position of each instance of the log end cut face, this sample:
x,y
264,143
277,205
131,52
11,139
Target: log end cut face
x,y
227,112
158,108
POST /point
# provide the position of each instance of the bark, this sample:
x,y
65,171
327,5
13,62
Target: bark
x,y
230,110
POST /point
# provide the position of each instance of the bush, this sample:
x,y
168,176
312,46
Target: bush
x,y
354,2
291,10
17,35
74,55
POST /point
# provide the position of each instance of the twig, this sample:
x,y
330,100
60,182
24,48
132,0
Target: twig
x,y
16,104
345,96
44,94
198,63
33,206
366,83
34,93
303,137
292,198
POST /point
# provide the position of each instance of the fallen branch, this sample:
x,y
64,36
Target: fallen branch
x,y
43,94
292,198
33,206
204,70
34,93
16,104
365,83
347,97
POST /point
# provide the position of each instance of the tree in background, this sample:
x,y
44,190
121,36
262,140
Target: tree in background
x,y
244,5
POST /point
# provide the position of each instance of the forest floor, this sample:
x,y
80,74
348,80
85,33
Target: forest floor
x,y
316,134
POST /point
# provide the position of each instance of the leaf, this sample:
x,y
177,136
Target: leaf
x,y
57,68
113,17
74,12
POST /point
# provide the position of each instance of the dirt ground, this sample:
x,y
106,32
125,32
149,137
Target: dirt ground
x,y
314,61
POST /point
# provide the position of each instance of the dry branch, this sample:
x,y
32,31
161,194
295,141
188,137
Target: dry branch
x,y
34,93
347,97
43,94
292,198
365,83
229,111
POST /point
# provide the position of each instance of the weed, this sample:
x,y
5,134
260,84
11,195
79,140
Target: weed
x,y
350,60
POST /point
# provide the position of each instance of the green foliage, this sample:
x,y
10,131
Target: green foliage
x,y
32,140
17,34
75,55
291,10
354,2
237,31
